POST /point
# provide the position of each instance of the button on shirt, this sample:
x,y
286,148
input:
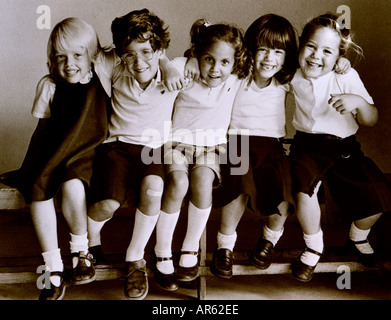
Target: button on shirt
x,y
260,110
202,114
313,114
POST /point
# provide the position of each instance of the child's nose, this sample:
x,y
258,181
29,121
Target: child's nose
x,y
69,60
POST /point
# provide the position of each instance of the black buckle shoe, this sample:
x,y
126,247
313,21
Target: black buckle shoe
x,y
369,260
97,253
166,281
262,254
136,280
222,262
301,271
187,274
51,292
83,273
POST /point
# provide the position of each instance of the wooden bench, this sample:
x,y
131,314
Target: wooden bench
x,y
24,271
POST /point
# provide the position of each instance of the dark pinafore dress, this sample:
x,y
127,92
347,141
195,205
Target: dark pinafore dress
x,y
62,146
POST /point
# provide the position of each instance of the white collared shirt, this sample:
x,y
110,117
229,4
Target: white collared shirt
x,y
140,116
313,114
202,114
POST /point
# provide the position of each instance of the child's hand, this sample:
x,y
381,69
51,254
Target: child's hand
x,y
342,65
173,80
192,70
366,113
344,103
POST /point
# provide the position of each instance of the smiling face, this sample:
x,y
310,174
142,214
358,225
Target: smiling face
x,y
217,63
267,63
72,65
141,61
319,54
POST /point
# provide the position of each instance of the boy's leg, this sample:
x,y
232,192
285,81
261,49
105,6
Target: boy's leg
x,y
147,214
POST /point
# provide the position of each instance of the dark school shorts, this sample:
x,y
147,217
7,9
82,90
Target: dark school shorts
x,y
119,168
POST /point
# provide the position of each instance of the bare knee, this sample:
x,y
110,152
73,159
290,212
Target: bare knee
x,y
202,179
103,210
151,194
177,185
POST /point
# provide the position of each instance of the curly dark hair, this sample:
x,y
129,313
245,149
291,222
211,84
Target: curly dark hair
x,y
140,25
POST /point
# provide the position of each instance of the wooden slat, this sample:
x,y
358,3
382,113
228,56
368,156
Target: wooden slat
x,y
107,272
11,198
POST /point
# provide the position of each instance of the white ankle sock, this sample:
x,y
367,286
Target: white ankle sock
x,y
78,243
164,232
356,234
53,262
197,219
225,241
271,235
93,231
314,242
142,230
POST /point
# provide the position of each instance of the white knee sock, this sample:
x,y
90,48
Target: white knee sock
x,y
53,262
164,232
356,234
78,243
271,235
315,242
93,230
142,230
197,219
225,241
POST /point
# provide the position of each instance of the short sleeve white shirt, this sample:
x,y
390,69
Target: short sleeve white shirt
x,y
313,114
140,116
261,111
202,114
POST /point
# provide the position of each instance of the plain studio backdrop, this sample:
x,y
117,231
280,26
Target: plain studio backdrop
x,y
23,51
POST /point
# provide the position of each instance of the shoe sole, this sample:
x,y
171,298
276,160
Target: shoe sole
x,y
81,282
140,297
220,275
256,264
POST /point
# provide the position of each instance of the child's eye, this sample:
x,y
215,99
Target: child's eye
x,y
328,52
311,46
280,52
60,57
225,62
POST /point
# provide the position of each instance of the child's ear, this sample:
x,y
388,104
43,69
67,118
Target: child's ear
x,y
162,53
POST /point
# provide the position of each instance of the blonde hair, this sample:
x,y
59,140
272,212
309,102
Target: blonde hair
x,y
330,20
71,33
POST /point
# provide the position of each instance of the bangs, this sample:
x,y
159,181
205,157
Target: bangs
x,y
273,39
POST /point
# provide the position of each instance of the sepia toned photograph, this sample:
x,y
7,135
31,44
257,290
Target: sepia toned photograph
x,y
213,152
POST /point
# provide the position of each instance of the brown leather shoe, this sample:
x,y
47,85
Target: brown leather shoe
x,y
83,272
136,280
262,254
222,263
302,271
